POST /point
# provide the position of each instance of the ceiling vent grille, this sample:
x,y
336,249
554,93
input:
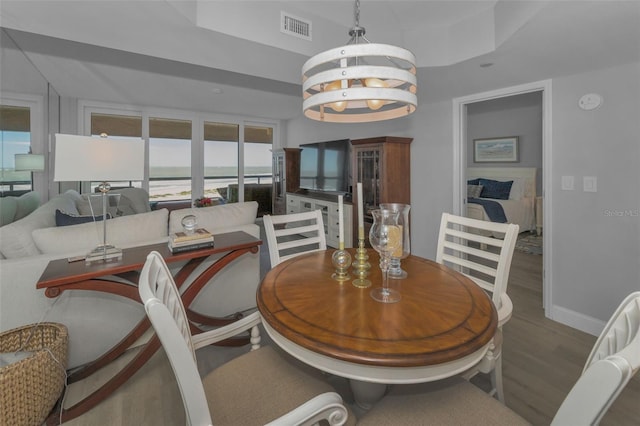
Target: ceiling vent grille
x,y
295,26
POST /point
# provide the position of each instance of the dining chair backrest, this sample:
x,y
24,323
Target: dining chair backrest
x,y
166,312
482,251
290,235
257,387
613,361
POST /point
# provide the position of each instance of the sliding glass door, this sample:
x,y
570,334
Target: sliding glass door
x,y
191,155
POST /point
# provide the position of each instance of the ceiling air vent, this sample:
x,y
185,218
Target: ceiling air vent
x,y
295,26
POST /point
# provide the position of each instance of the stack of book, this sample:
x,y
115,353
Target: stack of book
x,y
199,239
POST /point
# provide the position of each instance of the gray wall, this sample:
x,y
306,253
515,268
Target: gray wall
x,y
595,252
519,115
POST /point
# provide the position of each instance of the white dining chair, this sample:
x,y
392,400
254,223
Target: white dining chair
x,y
257,388
614,360
290,235
463,245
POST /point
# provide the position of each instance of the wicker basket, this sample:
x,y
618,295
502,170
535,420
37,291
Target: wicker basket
x,y
29,388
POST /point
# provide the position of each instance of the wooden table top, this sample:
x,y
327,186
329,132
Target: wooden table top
x,y
442,316
61,271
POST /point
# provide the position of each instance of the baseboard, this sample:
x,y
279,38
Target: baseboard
x,y
577,320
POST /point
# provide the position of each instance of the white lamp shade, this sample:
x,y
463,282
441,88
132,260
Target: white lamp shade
x,y
86,158
29,162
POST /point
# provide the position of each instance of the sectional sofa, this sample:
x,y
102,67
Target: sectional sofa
x,y
96,321
13,208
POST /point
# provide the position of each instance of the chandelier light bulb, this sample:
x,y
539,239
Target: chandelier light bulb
x,y
375,104
336,106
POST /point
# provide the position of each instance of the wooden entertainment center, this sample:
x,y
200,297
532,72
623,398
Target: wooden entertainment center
x,y
383,166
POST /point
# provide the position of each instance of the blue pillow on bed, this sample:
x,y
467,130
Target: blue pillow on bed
x,y
475,181
495,189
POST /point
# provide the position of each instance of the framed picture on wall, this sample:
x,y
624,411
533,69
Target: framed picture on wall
x,y
496,150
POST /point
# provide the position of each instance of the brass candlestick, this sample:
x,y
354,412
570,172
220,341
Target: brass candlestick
x,y
341,260
361,266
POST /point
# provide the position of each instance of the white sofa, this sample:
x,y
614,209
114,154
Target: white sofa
x,y
96,321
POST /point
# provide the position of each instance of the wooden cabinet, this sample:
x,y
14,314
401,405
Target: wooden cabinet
x,y
286,177
383,166
329,208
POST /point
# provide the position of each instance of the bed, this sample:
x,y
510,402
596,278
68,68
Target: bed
x,y
519,205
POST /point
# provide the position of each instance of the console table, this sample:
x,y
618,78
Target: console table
x,y
62,275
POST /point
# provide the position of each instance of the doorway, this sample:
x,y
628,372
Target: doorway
x,y
460,106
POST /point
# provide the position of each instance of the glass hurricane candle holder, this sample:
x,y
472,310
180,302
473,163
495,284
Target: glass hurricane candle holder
x,y
385,236
402,252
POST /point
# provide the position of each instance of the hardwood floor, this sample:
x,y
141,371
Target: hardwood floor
x,y
542,360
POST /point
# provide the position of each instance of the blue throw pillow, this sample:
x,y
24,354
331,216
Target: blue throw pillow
x,y
495,189
475,181
64,219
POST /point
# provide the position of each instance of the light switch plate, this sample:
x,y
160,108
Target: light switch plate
x,y
567,183
590,184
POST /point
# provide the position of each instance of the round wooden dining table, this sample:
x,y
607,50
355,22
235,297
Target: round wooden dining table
x,y
442,326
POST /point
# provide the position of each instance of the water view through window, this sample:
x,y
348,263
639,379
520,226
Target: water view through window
x,y
171,149
15,135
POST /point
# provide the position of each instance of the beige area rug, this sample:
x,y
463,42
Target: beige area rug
x,y
529,243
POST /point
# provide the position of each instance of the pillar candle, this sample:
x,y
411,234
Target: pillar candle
x,y
360,212
340,221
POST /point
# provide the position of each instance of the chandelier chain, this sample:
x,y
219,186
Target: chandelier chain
x,y
356,13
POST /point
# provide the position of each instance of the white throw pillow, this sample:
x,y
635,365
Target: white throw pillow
x,y
474,191
216,219
123,231
517,189
15,238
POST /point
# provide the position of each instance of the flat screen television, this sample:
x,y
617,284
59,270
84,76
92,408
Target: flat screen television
x,y
324,166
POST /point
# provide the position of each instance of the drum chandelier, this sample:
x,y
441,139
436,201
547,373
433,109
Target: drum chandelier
x,y
360,82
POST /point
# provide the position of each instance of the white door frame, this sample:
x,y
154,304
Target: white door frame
x,y
460,165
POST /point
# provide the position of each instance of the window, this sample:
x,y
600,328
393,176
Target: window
x,y
220,158
191,155
257,154
169,159
258,166
119,127
15,133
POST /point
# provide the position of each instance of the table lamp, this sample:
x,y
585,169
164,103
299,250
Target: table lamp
x,y
29,163
87,158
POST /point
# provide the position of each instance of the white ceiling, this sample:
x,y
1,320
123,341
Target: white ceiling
x,y
230,57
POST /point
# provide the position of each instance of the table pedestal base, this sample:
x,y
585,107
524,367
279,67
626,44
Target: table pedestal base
x,y
366,394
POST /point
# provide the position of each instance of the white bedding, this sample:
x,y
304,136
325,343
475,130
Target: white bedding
x,y
520,207
520,212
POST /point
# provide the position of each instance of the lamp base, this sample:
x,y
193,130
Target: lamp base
x,y
104,253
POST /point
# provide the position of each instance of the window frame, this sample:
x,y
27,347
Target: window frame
x,y
86,108
35,103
